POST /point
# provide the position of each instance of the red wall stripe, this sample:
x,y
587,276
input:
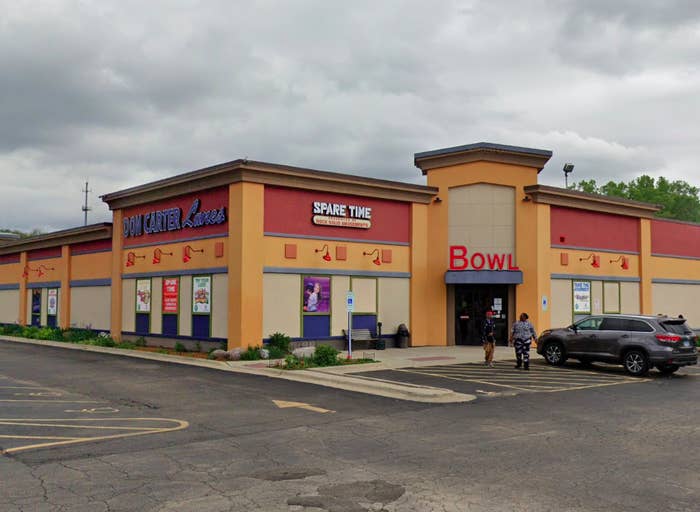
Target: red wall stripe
x,y
9,258
593,230
289,212
86,247
38,254
675,238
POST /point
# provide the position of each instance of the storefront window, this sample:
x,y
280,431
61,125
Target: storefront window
x,y
201,306
143,306
316,306
170,305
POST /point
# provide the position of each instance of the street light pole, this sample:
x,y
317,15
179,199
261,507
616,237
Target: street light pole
x,y
568,168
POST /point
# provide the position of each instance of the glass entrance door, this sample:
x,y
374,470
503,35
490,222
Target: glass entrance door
x,y
471,304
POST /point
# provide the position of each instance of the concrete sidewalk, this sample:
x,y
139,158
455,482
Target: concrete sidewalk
x,y
339,377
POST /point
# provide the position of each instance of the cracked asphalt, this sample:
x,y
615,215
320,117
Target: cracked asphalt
x,y
613,448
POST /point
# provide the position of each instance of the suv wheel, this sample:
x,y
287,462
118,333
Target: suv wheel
x,y
668,369
554,353
636,363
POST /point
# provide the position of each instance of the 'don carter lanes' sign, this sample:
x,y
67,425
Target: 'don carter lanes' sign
x,y
460,260
172,219
341,215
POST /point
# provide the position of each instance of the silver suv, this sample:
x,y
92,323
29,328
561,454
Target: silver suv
x,y
634,341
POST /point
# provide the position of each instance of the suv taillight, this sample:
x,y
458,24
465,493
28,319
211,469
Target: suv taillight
x,y
668,338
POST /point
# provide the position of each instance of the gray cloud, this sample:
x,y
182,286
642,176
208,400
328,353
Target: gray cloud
x,y
126,92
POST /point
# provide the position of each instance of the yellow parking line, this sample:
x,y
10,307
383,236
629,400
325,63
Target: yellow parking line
x,y
39,437
24,424
181,424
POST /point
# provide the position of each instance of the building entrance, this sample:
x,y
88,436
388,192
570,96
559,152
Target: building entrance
x,y
471,304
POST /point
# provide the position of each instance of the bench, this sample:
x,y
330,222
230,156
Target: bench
x,y
361,338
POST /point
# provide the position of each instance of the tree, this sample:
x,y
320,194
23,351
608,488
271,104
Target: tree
x,y
22,234
678,199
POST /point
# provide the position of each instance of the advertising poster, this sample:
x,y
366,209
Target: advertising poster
x,y
170,295
201,294
143,295
582,297
317,294
52,306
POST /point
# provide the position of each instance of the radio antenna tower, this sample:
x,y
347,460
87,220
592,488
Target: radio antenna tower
x,y
86,208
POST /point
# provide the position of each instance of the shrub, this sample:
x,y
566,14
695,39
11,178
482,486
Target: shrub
x,y
280,341
179,347
251,354
326,355
140,341
12,330
78,335
126,344
29,332
276,352
100,341
49,333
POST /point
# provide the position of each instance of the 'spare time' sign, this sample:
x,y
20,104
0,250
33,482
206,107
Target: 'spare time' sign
x,y
341,215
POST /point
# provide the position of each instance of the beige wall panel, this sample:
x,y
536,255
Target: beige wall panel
x,y
282,304
157,305
629,298
185,316
677,299
596,297
561,302
365,290
129,305
44,305
482,217
219,306
611,297
9,306
90,306
340,286
29,307
393,303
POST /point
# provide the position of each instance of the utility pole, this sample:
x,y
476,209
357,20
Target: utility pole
x,y
86,208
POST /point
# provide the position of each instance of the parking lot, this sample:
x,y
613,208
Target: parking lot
x,y
505,380
35,416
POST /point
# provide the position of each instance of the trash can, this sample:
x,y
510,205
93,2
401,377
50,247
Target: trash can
x,y
402,336
379,344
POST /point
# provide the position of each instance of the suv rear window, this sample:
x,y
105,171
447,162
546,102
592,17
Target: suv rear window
x,y
676,327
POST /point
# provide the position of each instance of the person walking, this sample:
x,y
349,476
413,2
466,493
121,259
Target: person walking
x,y
521,336
488,338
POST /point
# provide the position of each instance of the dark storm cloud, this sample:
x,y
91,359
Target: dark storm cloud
x,y
128,92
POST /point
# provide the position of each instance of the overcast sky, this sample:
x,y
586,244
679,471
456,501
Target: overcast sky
x,y
125,92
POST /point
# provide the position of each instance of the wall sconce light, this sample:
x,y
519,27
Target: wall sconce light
x,y
594,259
327,256
26,271
437,199
624,262
187,253
157,254
131,258
42,270
527,199
376,260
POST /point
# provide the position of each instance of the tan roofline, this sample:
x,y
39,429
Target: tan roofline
x,y
82,234
482,151
268,174
585,201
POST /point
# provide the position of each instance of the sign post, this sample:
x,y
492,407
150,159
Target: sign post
x,y
350,307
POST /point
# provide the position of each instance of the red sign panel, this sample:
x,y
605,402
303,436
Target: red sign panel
x,y
461,260
327,215
170,295
179,218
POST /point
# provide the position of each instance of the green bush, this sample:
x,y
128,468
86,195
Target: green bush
x,y
198,346
179,347
276,352
49,333
280,341
127,345
78,335
251,354
140,341
12,330
100,341
163,351
325,355
30,331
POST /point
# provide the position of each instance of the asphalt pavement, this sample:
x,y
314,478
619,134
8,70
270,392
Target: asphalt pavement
x,y
98,432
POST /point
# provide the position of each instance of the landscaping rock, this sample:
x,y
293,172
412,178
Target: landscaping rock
x,y
302,352
264,353
220,355
234,354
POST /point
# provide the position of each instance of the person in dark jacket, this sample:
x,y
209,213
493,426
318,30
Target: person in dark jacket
x,y
488,338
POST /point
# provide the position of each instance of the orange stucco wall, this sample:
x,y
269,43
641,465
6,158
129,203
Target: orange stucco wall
x,y
144,262
91,266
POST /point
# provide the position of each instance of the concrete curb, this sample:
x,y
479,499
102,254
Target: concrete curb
x,y
332,379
